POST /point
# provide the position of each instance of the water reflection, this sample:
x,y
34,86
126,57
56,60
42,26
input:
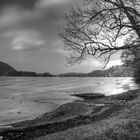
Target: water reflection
x,y
24,98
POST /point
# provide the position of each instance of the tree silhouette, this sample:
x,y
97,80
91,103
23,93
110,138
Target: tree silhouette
x,y
100,28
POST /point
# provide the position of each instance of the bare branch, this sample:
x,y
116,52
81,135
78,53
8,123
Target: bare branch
x,y
97,27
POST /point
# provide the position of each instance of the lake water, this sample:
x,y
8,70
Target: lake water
x,y
25,98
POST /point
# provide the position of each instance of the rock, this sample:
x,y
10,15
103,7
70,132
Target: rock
x,y
89,95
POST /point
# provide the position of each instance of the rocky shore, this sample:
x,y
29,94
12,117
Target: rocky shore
x,y
96,116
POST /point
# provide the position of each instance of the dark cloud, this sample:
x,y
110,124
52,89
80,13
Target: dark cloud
x,y
24,4
29,36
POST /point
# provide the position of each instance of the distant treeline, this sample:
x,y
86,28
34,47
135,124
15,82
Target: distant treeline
x,y
115,71
28,74
7,70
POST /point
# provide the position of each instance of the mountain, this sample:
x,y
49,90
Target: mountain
x,y
5,69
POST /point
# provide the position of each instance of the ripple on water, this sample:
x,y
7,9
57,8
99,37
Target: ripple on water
x,y
24,98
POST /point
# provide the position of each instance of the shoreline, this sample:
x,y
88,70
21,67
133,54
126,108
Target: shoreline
x,y
93,108
20,116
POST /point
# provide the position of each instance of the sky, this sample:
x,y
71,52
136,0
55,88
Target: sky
x,y
29,38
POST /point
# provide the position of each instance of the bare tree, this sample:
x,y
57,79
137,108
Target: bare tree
x,y
100,28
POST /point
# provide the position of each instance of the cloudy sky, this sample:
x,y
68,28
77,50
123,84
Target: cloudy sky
x,y
29,37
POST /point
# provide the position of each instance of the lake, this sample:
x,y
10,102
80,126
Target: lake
x,y
24,98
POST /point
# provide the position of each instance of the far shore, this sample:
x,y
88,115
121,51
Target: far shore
x,y
94,112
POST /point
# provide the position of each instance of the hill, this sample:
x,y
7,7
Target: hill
x,y
5,69
115,71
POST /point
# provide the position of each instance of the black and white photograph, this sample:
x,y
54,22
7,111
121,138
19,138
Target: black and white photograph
x,y
69,69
